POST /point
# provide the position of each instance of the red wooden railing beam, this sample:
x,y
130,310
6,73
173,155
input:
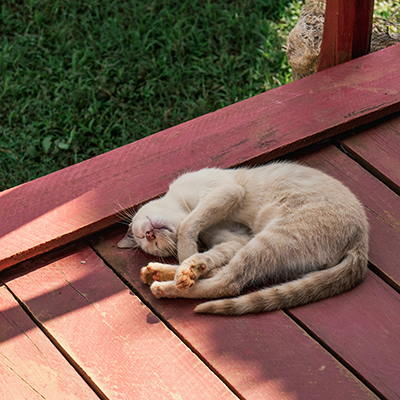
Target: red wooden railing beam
x,y
77,201
347,31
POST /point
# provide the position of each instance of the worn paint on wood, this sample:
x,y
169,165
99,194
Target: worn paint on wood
x,y
378,150
347,31
104,328
79,200
363,327
262,356
30,366
382,206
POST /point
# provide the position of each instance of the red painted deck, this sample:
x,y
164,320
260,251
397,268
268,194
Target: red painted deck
x,y
77,323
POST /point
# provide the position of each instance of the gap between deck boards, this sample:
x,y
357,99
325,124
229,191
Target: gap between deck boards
x,y
165,321
57,345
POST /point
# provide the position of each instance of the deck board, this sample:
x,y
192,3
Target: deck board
x,y
378,150
262,356
85,198
105,329
30,366
367,334
363,327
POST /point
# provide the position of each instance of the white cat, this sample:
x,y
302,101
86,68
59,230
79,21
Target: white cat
x,y
302,225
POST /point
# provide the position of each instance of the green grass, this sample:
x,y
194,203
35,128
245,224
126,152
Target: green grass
x,y
79,78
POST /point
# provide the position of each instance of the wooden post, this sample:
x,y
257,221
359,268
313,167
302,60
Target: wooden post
x,y
347,31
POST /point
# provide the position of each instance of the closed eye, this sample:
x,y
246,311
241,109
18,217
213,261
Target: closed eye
x,y
132,236
159,226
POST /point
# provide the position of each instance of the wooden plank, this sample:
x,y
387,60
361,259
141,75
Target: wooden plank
x,y
363,327
382,206
30,366
347,31
79,200
378,150
262,356
105,329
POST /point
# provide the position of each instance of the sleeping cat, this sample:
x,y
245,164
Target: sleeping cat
x,y
301,225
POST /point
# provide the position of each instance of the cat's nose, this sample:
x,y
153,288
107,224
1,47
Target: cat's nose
x,y
150,236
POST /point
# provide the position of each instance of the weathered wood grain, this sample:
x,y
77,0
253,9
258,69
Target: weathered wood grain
x,y
30,366
79,200
125,350
262,356
383,209
378,150
363,327
347,31
382,206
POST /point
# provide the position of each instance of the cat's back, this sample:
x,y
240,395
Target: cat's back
x,y
203,179
192,186
302,189
280,178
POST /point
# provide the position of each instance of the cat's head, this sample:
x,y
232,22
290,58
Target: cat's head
x,y
154,229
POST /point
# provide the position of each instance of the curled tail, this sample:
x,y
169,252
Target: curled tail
x,y
311,287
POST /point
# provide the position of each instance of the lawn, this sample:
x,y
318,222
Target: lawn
x,y
79,78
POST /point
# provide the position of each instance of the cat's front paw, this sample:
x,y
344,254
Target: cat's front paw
x,y
188,272
185,279
163,289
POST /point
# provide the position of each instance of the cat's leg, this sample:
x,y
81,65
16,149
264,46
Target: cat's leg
x,y
214,207
214,287
263,257
158,272
192,269
226,238
227,243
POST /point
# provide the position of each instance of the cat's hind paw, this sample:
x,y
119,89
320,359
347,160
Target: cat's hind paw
x,y
163,289
188,272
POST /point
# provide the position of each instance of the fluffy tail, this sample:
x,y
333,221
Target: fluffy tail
x,y
311,287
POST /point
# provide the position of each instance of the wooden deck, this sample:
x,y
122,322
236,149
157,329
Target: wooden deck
x,y
77,323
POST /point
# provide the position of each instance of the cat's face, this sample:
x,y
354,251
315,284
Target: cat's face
x,y
152,231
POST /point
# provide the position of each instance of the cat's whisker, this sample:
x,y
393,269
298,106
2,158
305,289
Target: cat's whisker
x,y
124,222
121,215
171,247
125,213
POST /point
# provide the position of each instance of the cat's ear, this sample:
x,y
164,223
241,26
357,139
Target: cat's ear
x,y
127,243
